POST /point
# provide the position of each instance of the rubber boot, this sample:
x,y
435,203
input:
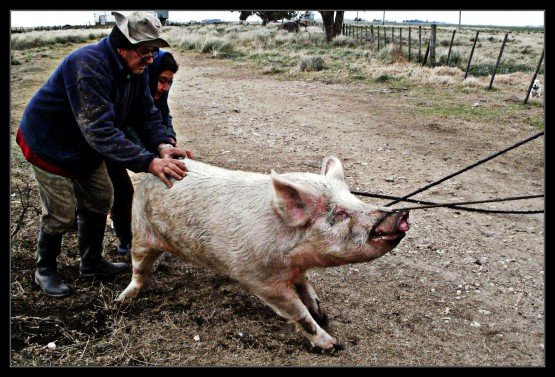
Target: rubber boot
x,y
124,235
90,237
46,275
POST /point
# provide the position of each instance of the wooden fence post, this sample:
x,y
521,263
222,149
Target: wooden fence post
x,y
426,55
393,35
410,41
378,38
471,53
450,46
372,34
401,40
432,45
534,77
419,42
384,38
498,60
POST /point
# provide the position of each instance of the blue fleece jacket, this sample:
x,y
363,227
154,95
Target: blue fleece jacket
x,y
74,120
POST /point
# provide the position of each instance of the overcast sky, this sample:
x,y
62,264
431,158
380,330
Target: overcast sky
x,y
30,18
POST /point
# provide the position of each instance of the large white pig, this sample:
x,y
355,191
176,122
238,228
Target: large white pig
x,y
264,231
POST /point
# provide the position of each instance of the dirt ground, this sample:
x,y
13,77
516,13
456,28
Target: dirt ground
x,y
462,288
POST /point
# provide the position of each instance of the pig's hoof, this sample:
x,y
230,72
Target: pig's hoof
x,y
338,347
122,299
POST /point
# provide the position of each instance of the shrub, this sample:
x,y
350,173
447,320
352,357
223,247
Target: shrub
x,y
216,46
311,63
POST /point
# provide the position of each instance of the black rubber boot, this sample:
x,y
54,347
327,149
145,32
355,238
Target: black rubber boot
x,y
123,233
46,275
90,236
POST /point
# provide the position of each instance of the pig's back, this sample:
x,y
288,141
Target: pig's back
x,y
213,216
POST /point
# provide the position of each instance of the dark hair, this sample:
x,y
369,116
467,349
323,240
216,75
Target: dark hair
x,y
168,63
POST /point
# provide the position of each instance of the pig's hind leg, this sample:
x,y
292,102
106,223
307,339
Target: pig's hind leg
x,y
309,298
143,259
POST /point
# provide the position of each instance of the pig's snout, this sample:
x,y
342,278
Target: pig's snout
x,y
403,222
391,227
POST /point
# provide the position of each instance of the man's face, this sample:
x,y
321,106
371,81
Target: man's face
x,y
165,81
137,59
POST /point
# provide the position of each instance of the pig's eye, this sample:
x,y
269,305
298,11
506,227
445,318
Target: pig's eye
x,y
336,215
341,215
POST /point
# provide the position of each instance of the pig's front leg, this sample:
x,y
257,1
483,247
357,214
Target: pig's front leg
x,y
142,259
285,302
309,298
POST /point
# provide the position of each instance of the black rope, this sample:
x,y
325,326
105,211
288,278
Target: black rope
x,y
465,169
456,205
475,202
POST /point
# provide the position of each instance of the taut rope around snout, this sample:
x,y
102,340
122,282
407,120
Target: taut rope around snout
x,y
457,205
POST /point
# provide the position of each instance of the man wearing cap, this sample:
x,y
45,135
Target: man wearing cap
x,y
73,124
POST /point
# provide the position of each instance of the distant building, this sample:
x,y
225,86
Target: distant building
x,y
307,17
212,21
106,18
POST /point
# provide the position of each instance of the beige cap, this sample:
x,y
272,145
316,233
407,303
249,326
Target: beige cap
x,y
141,27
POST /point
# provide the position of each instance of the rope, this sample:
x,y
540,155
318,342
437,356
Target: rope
x,y
476,202
465,169
457,205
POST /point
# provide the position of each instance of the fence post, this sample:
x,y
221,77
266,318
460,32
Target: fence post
x,y
450,46
378,38
432,45
419,42
401,40
392,35
384,38
498,60
372,35
410,41
426,55
471,53
534,77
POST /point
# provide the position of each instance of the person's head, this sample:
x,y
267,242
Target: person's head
x,y
137,39
161,74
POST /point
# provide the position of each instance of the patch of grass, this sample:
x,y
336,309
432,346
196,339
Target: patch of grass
x,y
311,63
467,111
486,69
384,78
538,123
216,46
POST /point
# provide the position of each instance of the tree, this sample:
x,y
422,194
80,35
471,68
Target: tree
x,y
333,22
267,16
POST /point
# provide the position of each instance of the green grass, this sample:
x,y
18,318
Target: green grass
x,y
445,108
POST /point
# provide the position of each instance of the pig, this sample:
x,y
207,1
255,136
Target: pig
x,y
264,231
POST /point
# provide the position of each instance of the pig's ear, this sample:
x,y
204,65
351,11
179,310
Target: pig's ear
x,y
332,167
288,202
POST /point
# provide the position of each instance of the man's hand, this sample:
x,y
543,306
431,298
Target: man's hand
x,y
174,152
164,167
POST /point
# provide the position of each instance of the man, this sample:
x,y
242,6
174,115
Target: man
x,y
72,124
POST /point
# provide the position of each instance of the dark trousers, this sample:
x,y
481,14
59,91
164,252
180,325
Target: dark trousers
x,y
123,193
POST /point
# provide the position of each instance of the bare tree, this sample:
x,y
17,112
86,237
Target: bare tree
x,y
333,22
